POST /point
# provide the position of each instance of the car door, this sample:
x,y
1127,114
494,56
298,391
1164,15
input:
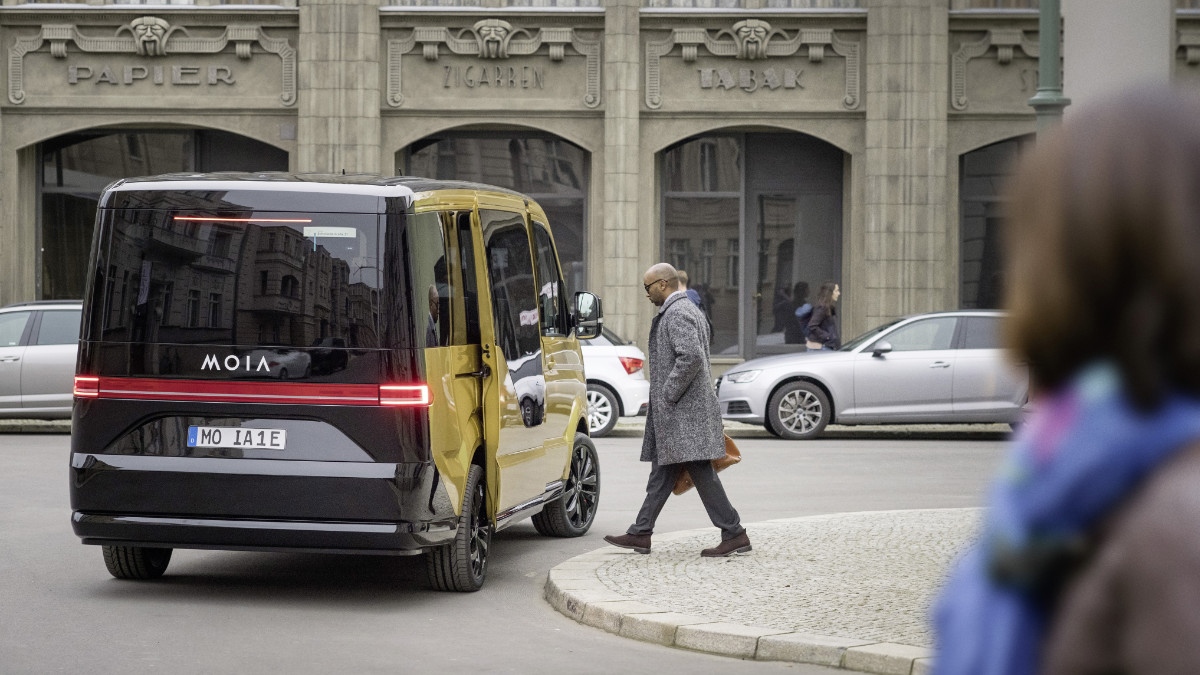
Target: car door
x,y
988,385
562,365
14,327
912,382
47,378
514,396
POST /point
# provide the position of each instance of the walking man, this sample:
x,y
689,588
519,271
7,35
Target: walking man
x,y
683,425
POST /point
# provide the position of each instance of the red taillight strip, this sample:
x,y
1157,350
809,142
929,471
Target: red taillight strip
x,y
259,392
405,394
86,386
206,219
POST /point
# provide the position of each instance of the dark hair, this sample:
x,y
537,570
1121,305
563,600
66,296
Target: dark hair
x,y
800,293
1103,246
825,297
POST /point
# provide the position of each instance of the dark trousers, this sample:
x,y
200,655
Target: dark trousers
x,y
708,485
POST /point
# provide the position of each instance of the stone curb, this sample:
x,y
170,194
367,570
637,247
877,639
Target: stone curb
x,y
29,426
630,427
574,589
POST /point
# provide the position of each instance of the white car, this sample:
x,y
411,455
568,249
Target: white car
x,y
616,383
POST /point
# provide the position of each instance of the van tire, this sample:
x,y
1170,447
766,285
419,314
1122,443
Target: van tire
x,y
571,515
136,562
462,565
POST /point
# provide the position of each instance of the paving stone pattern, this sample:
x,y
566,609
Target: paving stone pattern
x,y
865,576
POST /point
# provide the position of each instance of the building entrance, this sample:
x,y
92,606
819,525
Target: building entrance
x,y
756,221
76,167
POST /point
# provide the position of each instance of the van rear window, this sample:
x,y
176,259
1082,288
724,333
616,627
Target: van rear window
x,y
252,279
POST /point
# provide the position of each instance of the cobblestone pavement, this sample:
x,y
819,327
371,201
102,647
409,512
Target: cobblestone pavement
x,y
853,581
857,575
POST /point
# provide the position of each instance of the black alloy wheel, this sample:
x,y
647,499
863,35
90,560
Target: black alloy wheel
x,y
462,565
799,411
572,513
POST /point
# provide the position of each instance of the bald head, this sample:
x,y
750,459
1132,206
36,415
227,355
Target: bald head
x,y
662,271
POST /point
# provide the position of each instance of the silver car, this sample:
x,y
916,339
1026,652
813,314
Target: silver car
x,y
946,367
38,345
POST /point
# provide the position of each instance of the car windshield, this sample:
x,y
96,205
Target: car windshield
x,y
868,336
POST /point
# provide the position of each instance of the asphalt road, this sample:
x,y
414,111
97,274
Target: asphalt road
x,y
219,611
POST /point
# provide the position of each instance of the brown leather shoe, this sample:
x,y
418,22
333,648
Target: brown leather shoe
x,y
739,544
638,542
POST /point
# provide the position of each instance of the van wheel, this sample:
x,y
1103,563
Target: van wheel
x,y
602,410
462,565
572,513
799,411
136,562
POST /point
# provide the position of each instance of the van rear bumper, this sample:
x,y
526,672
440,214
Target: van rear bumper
x,y
395,538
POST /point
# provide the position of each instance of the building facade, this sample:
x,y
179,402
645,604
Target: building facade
x,y
765,146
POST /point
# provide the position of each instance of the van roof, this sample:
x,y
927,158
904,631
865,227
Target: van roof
x,y
367,185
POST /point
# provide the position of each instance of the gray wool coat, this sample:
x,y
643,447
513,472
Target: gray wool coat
x,y
684,421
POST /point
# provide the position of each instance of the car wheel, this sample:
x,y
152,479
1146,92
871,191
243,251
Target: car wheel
x,y
572,513
799,411
602,410
462,565
136,562
771,428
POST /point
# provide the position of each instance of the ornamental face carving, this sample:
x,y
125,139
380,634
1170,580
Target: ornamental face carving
x,y
150,35
751,37
493,36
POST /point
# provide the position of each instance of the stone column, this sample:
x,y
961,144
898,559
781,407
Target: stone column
x,y
624,259
339,97
907,233
1109,45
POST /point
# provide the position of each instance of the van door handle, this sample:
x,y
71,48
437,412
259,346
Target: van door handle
x,y
940,364
481,373
9,359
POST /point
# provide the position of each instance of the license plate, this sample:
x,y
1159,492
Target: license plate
x,y
236,437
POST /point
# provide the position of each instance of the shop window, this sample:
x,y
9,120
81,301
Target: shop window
x,y
981,177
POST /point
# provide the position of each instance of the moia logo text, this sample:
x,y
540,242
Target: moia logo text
x,y
234,363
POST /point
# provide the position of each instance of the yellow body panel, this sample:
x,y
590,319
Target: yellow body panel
x,y
470,413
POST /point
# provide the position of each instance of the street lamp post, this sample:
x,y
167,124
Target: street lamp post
x,y
1049,100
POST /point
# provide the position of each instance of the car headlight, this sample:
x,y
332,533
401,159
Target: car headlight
x,y
743,376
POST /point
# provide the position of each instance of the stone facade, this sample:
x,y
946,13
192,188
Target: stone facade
x,y
905,89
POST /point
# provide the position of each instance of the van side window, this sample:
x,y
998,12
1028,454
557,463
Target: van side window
x,y
514,295
430,279
466,331
550,285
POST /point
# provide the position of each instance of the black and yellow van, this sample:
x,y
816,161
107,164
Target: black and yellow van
x,y
348,364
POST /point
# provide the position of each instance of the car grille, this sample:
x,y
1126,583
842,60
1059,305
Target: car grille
x,y
737,408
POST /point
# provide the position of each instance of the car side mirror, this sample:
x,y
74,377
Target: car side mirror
x,y
881,348
589,316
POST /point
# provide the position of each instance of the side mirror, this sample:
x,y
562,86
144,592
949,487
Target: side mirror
x,y
589,316
882,347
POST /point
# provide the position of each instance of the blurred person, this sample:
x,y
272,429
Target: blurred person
x,y
781,309
1089,558
683,424
796,331
823,331
692,295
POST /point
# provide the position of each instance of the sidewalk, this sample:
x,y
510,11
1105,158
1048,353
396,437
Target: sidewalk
x,y
850,590
35,426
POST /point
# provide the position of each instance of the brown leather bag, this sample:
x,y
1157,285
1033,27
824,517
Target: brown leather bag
x,y
732,456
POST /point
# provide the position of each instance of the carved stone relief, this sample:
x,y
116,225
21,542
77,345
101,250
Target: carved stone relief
x,y
151,37
755,40
1005,42
494,39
